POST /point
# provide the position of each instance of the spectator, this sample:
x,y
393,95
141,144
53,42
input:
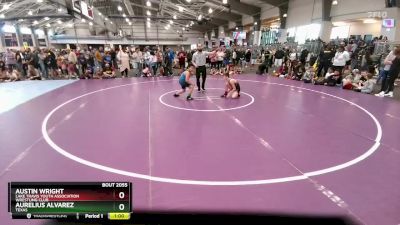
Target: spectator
x,y
279,55
392,75
123,58
340,59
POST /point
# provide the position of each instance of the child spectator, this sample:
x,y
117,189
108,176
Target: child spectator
x,y
366,85
347,82
108,72
308,75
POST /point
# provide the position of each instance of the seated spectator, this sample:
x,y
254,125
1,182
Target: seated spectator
x,y
88,73
332,78
12,74
298,71
263,68
366,85
32,73
98,74
108,72
308,75
347,82
146,72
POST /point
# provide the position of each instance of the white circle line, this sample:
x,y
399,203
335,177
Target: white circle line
x,y
213,183
206,110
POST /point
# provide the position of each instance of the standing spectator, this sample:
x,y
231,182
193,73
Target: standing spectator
x,y
72,60
159,58
340,59
82,60
220,57
234,57
248,57
325,60
123,58
43,67
99,59
19,65
167,63
137,61
279,55
182,58
113,55
28,58
303,56
392,75
171,56
9,59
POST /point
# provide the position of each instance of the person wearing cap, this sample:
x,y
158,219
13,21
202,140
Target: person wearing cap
x,y
199,61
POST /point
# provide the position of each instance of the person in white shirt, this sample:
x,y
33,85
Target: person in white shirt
x,y
340,59
199,61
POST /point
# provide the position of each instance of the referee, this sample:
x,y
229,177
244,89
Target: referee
x,y
199,61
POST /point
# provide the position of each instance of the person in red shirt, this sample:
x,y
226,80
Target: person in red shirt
x,y
182,58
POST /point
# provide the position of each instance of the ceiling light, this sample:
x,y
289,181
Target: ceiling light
x,y
183,28
210,10
2,15
148,13
119,8
106,19
83,20
148,3
70,25
6,6
30,12
126,19
99,13
177,31
166,27
174,17
222,32
46,18
237,28
334,2
180,8
59,22
171,22
90,24
225,1
35,22
148,24
285,15
48,25
339,24
191,22
148,19
369,21
188,0
255,23
187,25
20,20
111,22
200,17
40,1
123,15
129,23
59,9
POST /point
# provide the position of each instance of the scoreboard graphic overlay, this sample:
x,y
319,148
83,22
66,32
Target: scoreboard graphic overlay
x,y
70,200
